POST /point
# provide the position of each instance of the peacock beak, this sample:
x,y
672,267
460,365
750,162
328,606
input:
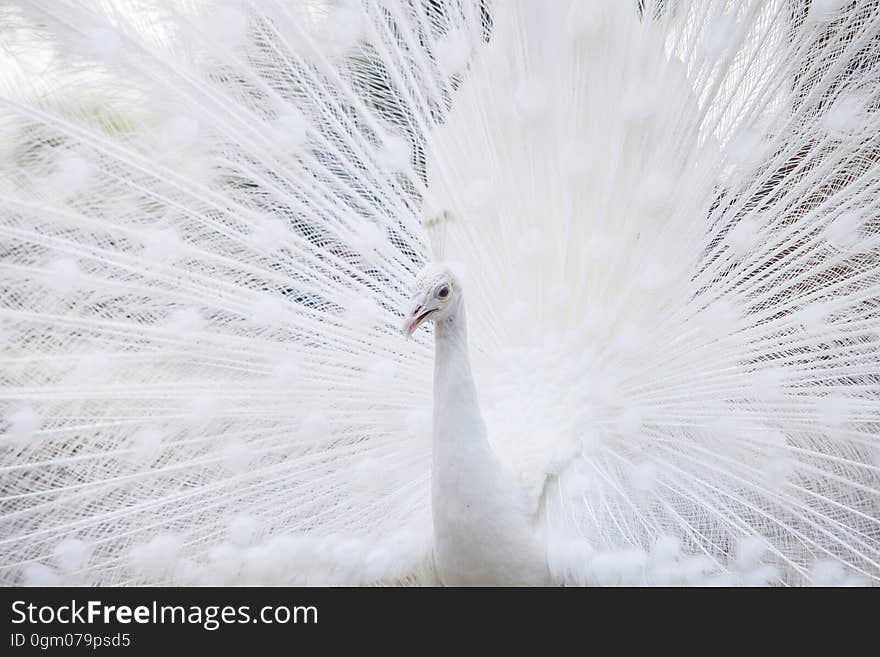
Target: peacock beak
x,y
420,310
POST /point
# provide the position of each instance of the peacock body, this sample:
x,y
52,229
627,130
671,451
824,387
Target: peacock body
x,y
661,216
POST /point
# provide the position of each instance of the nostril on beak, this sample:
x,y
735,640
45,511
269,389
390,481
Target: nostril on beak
x,y
416,310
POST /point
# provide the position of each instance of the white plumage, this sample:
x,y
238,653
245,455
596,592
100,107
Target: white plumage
x,y
486,529
662,217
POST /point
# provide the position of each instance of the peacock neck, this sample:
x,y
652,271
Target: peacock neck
x,y
457,415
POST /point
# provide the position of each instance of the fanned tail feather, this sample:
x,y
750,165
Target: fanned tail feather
x,y
665,215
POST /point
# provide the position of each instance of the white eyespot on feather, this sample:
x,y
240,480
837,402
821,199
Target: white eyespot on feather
x,y
204,407
518,313
369,476
348,553
180,132
287,371
379,563
723,580
236,456
433,210
243,529
644,477
452,52
267,310
302,548
629,338
24,423
721,36
843,232
71,555
655,194
665,573
655,276
363,313
194,164
185,320
626,567
63,275
640,102
395,153
70,174
280,556
314,426
40,575
227,24
825,572
597,319
530,244
146,446
292,128
772,438
369,239
584,22
577,166
225,562
285,555
834,410
763,575
571,559
697,569
743,236
418,423
269,234
603,571
156,558
163,244
722,318
826,10
93,368
189,572
479,195
845,115
557,300
746,150
631,422
750,551
854,580
665,549
381,372
530,99
778,470
343,29
101,41
769,384
813,317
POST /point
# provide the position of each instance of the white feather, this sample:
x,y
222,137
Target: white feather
x,y
664,215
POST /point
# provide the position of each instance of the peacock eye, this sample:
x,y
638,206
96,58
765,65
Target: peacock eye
x,y
443,292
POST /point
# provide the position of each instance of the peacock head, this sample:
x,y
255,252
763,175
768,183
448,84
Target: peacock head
x,y
437,295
